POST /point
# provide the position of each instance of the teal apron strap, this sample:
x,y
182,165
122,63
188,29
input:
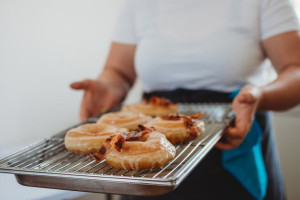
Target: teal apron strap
x,y
246,163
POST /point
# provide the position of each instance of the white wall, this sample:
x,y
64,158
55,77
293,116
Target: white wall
x,y
287,131
44,46
47,44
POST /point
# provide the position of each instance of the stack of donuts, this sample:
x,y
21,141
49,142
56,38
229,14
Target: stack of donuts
x,y
140,136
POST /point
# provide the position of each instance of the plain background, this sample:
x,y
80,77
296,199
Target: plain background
x,y
47,44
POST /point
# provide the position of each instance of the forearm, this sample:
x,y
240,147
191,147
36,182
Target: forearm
x,y
119,82
119,73
284,92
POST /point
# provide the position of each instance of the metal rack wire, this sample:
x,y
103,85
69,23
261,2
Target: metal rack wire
x,y
48,164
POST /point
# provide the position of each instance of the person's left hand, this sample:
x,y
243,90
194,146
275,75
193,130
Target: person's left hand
x,y
244,106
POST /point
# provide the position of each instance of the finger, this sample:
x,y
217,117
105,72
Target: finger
x,y
249,94
228,143
79,85
246,98
93,111
84,112
84,116
231,139
241,126
234,142
233,132
110,104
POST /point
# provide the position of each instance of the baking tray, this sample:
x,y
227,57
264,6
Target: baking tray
x,y
48,164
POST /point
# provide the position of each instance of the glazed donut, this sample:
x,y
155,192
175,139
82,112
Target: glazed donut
x,y
178,128
155,106
128,120
88,138
143,148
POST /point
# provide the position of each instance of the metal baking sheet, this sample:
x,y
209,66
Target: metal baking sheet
x,y
48,164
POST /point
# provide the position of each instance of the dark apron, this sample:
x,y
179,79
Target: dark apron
x,y
209,180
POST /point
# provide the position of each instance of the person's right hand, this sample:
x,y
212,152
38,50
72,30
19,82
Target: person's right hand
x,y
98,97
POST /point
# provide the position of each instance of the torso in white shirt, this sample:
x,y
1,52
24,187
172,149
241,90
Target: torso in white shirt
x,y
196,44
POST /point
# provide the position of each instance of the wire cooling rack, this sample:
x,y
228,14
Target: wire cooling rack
x,y
48,164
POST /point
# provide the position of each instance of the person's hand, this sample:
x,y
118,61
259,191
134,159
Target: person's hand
x,y
98,97
244,106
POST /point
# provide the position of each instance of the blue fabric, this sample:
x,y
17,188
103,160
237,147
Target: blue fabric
x,y
246,163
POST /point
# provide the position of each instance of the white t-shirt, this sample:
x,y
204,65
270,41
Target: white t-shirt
x,y
200,44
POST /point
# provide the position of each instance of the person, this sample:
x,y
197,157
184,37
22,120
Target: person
x,y
199,51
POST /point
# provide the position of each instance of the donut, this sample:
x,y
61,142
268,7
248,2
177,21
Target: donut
x,y
142,148
155,106
129,120
88,138
178,128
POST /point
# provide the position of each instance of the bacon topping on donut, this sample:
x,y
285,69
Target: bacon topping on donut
x,y
117,141
159,101
137,133
101,154
188,120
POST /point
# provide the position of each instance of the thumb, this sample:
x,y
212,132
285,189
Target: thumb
x,y
246,97
79,85
249,94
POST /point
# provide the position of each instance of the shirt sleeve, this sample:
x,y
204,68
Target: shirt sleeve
x,y
124,30
277,16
